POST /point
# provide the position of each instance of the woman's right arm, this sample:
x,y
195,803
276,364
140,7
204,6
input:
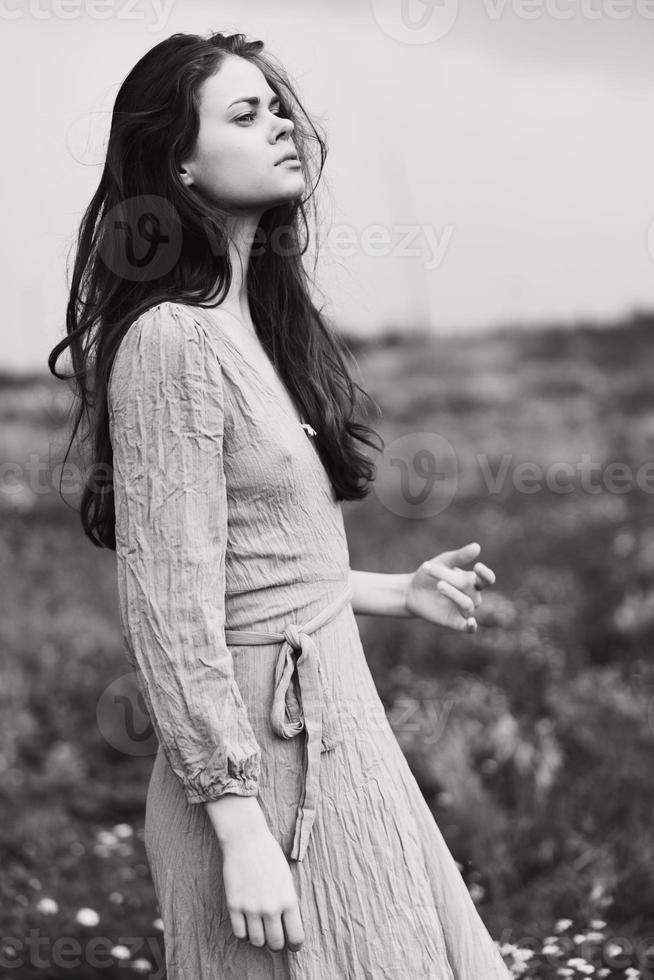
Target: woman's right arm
x,y
166,411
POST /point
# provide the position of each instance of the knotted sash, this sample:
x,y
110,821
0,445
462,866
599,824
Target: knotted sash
x,y
312,710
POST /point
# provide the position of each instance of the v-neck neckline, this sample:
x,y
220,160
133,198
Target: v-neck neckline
x,y
295,414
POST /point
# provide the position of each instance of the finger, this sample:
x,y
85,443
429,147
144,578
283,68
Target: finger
x,y
274,932
485,573
293,928
460,599
239,927
467,625
459,556
455,576
464,581
255,930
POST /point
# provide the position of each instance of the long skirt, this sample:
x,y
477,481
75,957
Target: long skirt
x,y
380,895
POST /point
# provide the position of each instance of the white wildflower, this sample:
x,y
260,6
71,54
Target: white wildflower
x,y
123,831
106,838
142,965
581,965
120,952
47,906
87,917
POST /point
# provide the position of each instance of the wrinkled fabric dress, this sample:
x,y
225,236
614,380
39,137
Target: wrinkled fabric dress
x,y
226,521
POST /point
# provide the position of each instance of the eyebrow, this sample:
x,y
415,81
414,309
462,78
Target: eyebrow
x,y
253,100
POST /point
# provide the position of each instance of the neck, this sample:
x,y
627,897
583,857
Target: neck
x,y
241,230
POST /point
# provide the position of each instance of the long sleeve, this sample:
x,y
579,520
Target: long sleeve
x,y
166,412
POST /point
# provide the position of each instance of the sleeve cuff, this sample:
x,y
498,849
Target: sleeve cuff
x,y
249,786
242,778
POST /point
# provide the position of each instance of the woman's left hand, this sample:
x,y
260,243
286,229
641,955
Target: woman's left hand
x,y
442,593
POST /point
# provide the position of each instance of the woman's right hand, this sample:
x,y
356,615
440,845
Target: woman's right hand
x,y
260,891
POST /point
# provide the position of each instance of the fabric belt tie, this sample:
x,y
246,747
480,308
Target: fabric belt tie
x,y
312,710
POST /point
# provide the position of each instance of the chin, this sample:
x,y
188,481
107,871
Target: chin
x,y
295,179
294,190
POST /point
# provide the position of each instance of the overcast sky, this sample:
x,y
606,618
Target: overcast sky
x,y
515,138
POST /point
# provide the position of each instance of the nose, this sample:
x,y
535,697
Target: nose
x,y
283,129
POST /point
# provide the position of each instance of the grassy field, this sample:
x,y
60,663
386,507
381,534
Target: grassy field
x,y
531,740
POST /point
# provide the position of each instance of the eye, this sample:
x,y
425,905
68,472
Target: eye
x,y
250,115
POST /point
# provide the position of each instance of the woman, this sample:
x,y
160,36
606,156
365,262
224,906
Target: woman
x,y
224,439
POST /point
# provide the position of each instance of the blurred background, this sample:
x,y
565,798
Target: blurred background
x,y
488,254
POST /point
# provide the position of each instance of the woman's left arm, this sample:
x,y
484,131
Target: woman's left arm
x,y
439,590
379,593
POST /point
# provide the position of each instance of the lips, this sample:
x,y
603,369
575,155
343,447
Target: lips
x,y
287,156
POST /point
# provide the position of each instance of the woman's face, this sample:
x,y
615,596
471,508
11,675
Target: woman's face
x,y
238,155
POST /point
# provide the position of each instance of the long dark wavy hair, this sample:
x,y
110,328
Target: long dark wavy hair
x,y
154,126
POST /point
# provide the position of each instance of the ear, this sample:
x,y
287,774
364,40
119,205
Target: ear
x,y
186,175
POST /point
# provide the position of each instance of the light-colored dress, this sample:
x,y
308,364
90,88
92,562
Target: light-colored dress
x,y
226,521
